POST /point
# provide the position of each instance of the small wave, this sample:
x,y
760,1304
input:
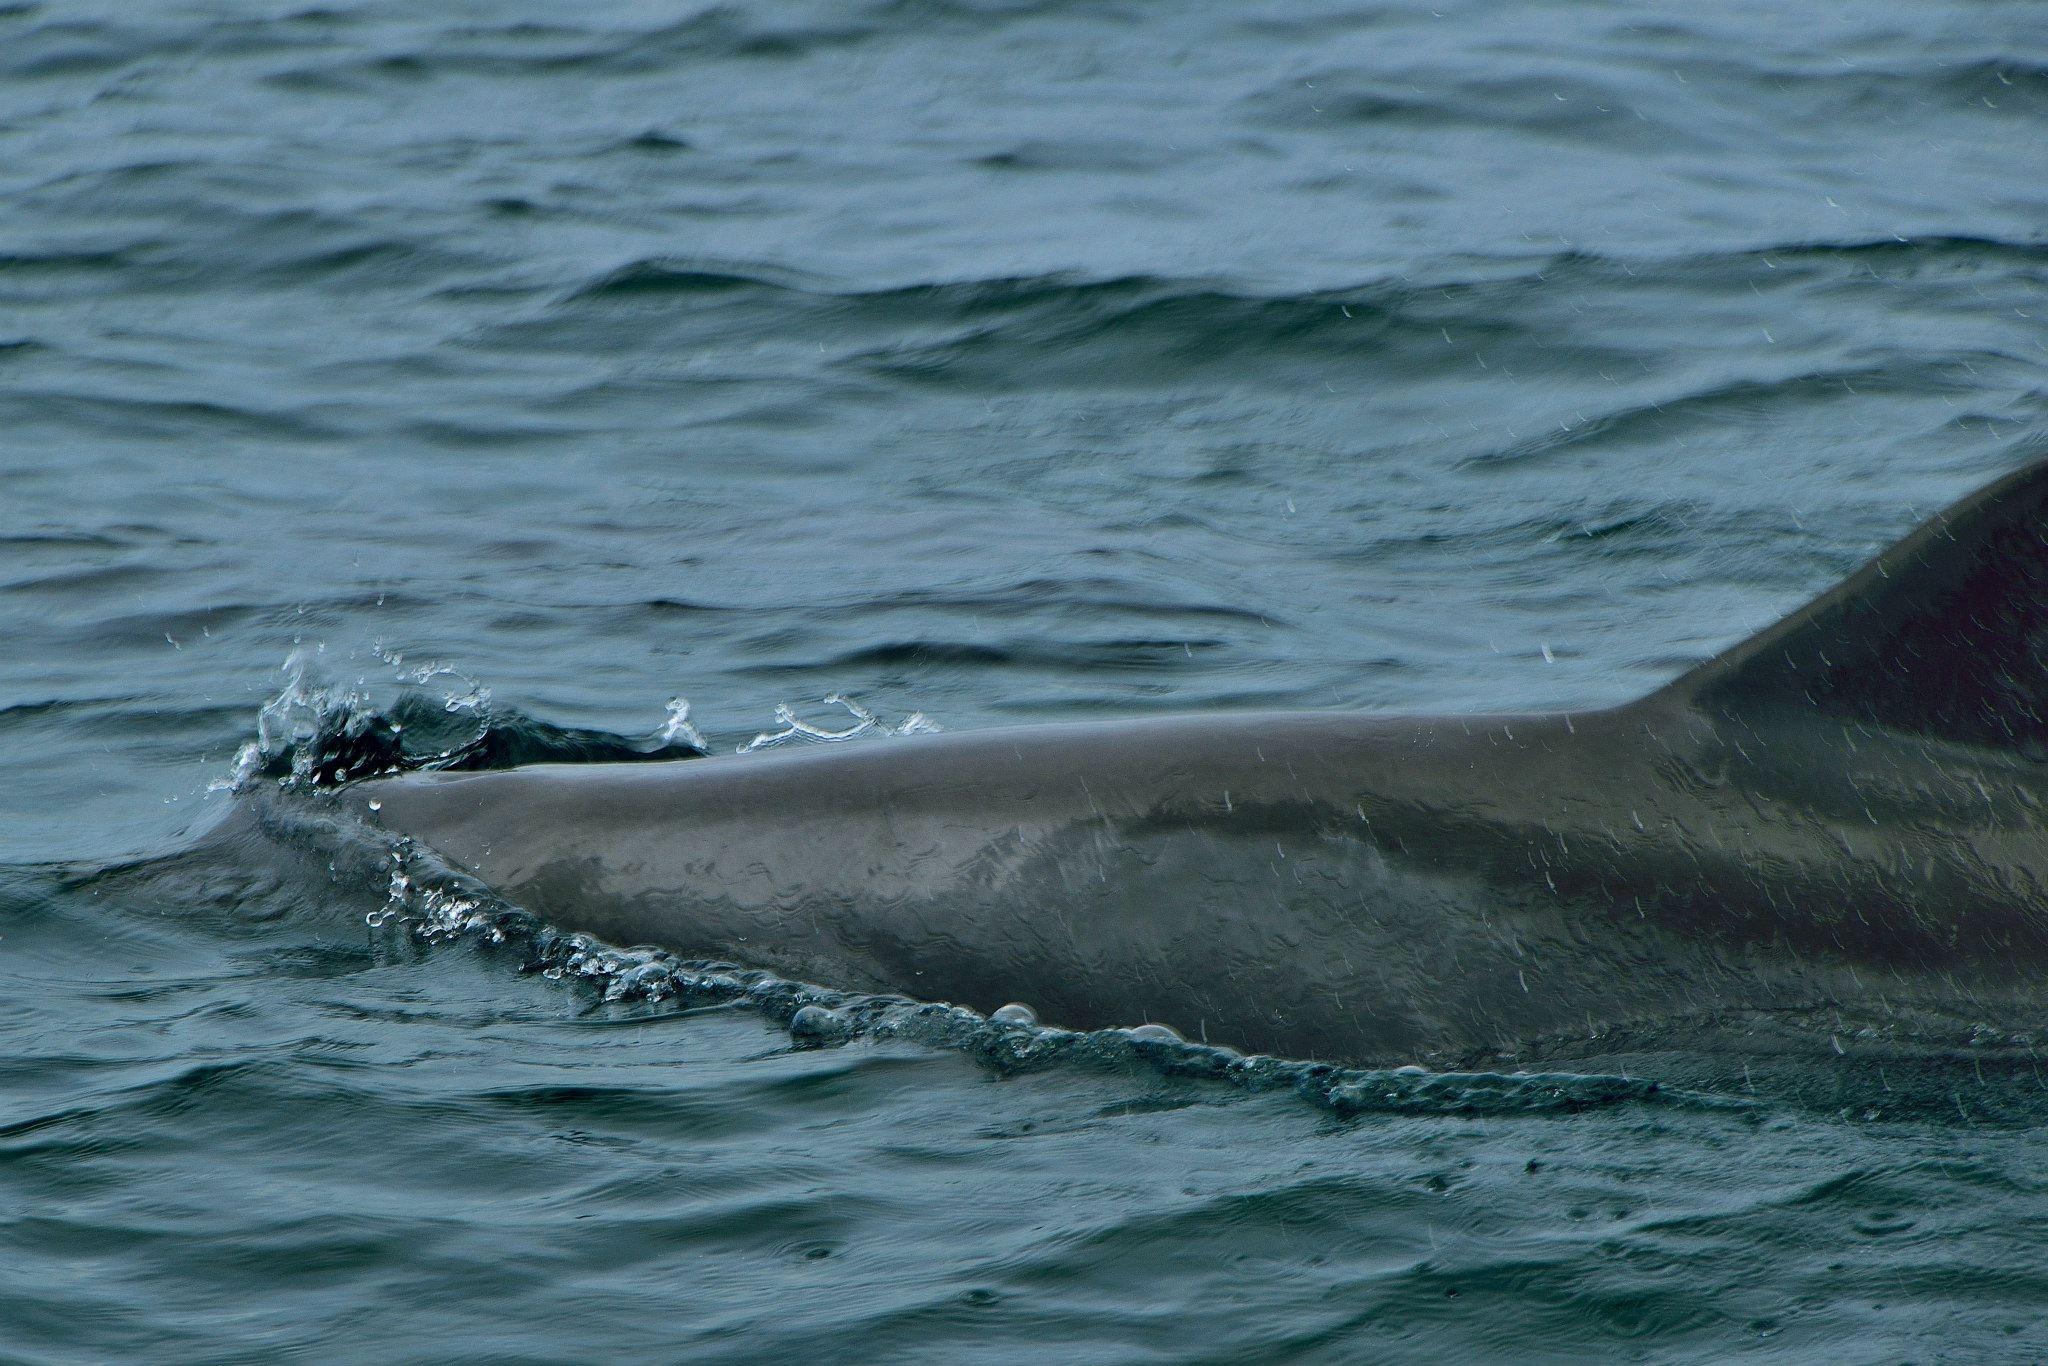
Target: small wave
x,y
1617,111
1931,247
657,276
1088,155
655,140
2000,85
522,49
69,50
1120,296
1758,402
1092,595
1026,654
57,262
134,417
1005,334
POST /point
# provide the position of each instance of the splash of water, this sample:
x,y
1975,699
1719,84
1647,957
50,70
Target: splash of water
x,y
677,728
473,697
864,723
314,733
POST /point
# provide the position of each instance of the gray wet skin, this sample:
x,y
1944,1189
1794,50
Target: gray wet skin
x,y
1847,806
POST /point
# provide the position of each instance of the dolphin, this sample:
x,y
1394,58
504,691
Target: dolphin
x,y
1847,807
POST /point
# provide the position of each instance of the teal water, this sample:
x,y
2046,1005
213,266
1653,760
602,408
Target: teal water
x,y
518,369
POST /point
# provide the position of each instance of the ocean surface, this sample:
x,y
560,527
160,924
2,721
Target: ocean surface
x,y
526,372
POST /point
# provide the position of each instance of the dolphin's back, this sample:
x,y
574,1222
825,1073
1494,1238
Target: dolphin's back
x,y
1300,884
1847,804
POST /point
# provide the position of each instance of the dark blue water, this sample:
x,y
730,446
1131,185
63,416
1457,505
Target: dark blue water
x,y
993,363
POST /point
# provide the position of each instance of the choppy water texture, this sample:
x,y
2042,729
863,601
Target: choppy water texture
x,y
998,362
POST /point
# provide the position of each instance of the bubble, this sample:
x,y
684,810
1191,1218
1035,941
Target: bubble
x,y
819,1027
1155,1033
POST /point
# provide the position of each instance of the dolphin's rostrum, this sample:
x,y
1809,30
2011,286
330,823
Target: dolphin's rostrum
x,y
1847,806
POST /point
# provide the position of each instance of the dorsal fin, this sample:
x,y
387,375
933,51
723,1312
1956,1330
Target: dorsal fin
x,y
1945,634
